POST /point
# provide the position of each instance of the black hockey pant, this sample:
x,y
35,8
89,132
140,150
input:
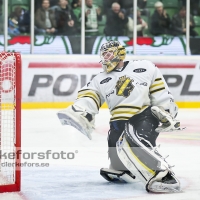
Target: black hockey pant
x,y
144,123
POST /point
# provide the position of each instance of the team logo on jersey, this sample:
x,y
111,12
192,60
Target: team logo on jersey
x,y
124,86
105,80
139,70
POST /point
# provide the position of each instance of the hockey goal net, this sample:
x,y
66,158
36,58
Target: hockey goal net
x,y
10,121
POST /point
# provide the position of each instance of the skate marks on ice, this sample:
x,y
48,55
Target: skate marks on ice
x,y
75,183
79,183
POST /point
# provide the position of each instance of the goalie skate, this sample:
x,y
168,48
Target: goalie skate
x,y
116,176
168,184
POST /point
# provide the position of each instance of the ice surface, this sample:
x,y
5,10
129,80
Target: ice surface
x,y
79,178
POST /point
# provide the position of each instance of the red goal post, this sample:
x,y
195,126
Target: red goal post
x,y
10,121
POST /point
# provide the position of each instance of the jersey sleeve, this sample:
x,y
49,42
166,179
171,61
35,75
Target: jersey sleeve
x,y
90,97
159,92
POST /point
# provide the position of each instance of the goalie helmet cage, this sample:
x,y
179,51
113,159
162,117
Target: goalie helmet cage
x,y
10,121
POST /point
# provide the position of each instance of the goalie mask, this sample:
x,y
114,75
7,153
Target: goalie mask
x,y
111,54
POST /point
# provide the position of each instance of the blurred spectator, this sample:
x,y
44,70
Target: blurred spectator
x,y
126,4
141,25
1,25
38,3
65,18
92,16
53,2
13,28
194,6
142,5
13,21
45,19
179,23
107,4
160,20
19,21
24,22
76,5
116,21
1,7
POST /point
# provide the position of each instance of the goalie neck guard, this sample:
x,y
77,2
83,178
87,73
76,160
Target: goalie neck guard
x,y
111,53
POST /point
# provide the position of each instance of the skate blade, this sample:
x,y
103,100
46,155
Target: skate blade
x,y
166,190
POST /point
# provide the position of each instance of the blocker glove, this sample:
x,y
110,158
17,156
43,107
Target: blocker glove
x,y
79,118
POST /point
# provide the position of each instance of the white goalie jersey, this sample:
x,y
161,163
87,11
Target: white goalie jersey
x,y
127,91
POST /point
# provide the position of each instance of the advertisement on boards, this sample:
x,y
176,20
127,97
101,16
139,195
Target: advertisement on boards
x,y
58,79
49,44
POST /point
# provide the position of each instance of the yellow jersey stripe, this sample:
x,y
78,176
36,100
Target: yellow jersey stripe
x,y
127,113
96,102
155,85
158,79
126,106
157,90
90,93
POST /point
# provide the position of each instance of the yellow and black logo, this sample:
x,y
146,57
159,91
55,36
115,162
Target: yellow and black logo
x,y
124,86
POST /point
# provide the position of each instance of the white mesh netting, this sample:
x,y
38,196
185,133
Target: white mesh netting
x,y
7,117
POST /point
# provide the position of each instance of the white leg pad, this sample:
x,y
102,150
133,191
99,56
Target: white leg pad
x,y
145,163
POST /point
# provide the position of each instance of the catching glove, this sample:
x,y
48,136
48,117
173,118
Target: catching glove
x,y
168,122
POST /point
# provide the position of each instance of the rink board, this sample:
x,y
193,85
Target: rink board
x,y
53,81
